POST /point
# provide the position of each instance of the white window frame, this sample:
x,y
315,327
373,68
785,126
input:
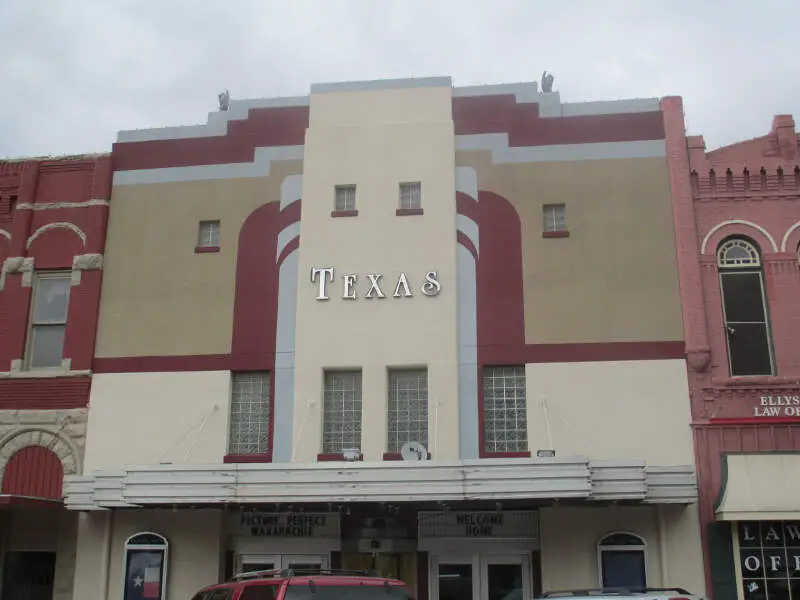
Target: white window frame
x,y
626,548
754,266
208,234
344,198
29,344
394,371
486,421
261,450
550,220
410,195
360,424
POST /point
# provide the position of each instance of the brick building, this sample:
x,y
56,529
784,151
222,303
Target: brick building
x,y
737,226
53,214
401,324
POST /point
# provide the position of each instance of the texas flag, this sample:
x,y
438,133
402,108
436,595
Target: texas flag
x,y
144,576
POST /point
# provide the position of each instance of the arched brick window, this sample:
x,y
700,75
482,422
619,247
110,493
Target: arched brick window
x,y
34,472
744,307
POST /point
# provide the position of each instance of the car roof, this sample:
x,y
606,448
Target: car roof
x,y
278,578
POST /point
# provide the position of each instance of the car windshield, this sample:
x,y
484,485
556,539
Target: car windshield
x,y
346,592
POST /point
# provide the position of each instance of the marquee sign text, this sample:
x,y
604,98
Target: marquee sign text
x,y
289,525
478,524
372,285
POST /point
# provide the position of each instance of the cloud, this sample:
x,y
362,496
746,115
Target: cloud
x,y
75,73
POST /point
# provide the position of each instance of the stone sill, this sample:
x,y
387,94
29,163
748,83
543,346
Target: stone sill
x,y
43,374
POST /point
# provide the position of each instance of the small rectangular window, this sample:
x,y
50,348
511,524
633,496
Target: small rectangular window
x,y
553,218
341,412
411,195
408,407
249,422
505,409
208,236
48,320
345,200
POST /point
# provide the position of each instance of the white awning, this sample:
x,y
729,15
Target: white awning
x,y
484,479
759,487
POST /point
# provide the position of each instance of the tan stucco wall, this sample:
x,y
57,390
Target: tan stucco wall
x,y
615,278
626,410
570,536
196,550
159,298
376,140
148,418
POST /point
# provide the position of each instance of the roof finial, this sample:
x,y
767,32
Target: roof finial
x,y
547,81
224,100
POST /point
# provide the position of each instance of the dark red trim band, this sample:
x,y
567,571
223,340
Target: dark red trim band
x,y
293,245
524,126
409,212
555,234
143,364
289,215
393,456
206,249
335,456
756,421
462,239
344,213
485,454
247,458
467,205
580,352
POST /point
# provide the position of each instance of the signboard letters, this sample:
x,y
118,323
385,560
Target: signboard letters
x,y
777,406
520,524
372,285
288,525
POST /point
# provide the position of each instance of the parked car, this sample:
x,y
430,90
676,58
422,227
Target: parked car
x,y
305,584
649,593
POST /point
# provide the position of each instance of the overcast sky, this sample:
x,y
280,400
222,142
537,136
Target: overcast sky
x,y
73,73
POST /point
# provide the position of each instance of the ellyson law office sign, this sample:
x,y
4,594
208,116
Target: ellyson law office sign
x,y
777,406
372,285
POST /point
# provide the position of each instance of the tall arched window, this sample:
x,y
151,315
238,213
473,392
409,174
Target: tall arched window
x,y
744,307
623,561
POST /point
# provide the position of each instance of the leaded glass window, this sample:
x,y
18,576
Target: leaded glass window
x,y
341,412
504,409
408,407
249,423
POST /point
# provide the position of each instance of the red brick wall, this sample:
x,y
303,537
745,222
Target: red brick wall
x,y
54,195
764,208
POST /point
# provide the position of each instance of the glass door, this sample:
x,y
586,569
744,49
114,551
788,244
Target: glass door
x,y
506,578
454,578
481,577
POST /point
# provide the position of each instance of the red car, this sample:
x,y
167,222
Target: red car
x,y
289,584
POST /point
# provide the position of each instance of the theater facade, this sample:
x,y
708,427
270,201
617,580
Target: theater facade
x,y
431,330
